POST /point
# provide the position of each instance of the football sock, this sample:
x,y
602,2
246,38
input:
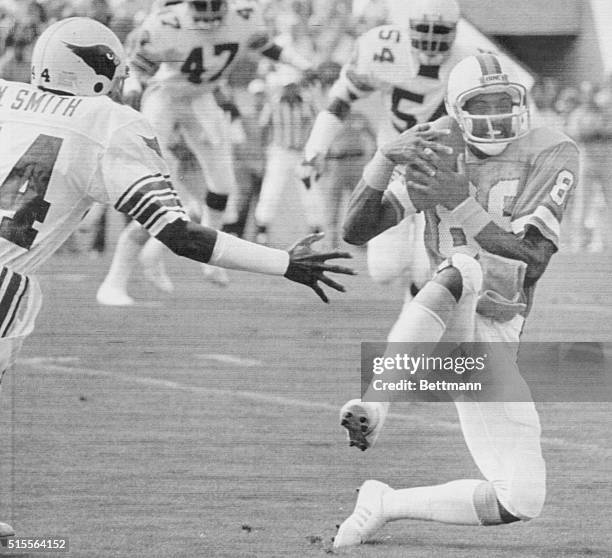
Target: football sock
x,y
462,502
215,204
152,252
453,502
423,319
214,219
124,259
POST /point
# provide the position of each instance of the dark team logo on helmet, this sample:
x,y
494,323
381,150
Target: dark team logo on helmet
x,y
100,58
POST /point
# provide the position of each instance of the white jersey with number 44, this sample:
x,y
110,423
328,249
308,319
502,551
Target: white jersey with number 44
x,y
58,155
172,52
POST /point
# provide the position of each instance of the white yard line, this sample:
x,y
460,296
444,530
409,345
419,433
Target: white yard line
x,y
229,359
54,364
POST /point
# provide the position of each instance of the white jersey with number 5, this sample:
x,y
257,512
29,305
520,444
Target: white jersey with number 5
x,y
384,60
59,155
173,53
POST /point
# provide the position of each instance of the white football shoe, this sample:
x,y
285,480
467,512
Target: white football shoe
x,y
216,275
363,422
112,296
367,517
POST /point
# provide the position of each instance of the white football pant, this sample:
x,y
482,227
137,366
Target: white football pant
x,y
281,165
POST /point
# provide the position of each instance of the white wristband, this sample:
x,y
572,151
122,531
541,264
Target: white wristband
x,y
397,195
377,173
233,253
325,129
472,216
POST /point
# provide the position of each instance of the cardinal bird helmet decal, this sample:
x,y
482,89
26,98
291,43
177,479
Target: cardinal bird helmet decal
x,y
78,56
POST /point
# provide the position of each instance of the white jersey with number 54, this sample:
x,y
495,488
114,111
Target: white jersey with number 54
x,y
383,60
169,50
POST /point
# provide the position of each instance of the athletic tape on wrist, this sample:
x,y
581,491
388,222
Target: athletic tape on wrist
x,y
324,130
234,253
472,216
397,189
378,171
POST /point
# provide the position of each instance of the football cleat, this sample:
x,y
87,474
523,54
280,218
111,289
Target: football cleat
x,y
6,531
367,517
112,296
156,274
363,422
216,275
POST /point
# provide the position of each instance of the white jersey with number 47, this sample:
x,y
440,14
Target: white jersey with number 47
x,y
171,51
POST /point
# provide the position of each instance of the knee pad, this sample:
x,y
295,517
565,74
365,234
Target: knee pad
x,y
471,272
216,202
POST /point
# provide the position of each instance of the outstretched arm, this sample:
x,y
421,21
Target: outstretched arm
x,y
299,264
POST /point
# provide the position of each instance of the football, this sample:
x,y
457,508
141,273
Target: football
x,y
454,140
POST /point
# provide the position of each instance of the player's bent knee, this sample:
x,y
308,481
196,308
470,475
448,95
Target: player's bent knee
x,y
216,202
530,504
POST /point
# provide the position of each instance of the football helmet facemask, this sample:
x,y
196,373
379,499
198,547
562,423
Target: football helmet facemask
x,y
433,26
79,56
198,14
490,108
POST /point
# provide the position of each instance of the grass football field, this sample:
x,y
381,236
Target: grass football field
x,y
204,424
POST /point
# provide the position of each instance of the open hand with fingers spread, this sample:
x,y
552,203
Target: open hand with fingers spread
x,y
308,267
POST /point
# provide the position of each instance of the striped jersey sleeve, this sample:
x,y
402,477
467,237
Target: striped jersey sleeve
x,y
13,287
552,180
136,179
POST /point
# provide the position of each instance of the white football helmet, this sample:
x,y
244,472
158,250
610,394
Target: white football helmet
x,y
481,75
79,56
433,26
197,14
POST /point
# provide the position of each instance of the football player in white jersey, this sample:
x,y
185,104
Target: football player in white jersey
x,y
181,52
64,145
493,222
